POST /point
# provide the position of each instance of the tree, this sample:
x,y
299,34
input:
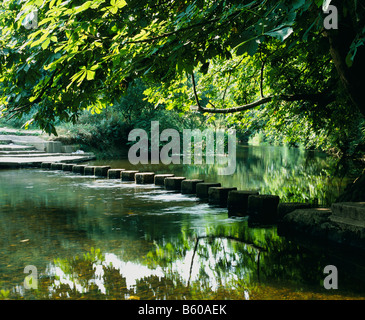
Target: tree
x,y
83,54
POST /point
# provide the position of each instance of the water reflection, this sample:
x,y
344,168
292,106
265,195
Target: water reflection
x,y
153,244
293,174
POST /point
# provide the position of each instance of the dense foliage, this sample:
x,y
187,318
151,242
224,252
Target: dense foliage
x,y
106,133
59,58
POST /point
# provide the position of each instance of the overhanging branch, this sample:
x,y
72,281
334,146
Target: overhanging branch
x,y
319,98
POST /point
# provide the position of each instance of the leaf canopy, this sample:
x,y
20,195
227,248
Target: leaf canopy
x,y
82,54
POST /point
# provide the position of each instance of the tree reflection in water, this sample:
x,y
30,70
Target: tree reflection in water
x,y
226,263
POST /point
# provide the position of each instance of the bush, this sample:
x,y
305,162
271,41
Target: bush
x,y
106,133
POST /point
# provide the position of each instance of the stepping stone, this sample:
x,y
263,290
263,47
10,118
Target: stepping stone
x,y
128,175
237,202
263,208
159,179
89,170
349,210
314,223
189,186
56,166
219,195
67,167
144,177
203,188
78,169
13,147
46,165
101,171
173,183
114,173
286,207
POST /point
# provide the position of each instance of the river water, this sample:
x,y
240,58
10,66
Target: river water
x,y
92,238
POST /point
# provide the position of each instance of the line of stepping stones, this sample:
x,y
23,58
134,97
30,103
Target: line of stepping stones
x,y
260,208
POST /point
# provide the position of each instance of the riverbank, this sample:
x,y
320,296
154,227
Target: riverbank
x,y
20,148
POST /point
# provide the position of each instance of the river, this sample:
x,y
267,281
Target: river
x,y
93,238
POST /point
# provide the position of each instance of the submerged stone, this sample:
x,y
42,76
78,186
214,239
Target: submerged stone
x,y
189,186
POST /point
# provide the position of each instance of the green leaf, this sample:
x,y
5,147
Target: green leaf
x,y
45,44
44,21
280,34
83,7
297,4
51,4
35,43
90,75
250,47
349,60
115,5
80,76
94,67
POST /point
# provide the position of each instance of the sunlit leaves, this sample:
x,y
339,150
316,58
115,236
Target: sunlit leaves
x,y
159,42
115,5
97,107
89,74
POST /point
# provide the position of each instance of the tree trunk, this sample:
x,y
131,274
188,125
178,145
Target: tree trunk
x,y
340,40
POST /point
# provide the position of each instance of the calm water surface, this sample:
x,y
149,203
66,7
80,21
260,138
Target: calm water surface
x,y
95,238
